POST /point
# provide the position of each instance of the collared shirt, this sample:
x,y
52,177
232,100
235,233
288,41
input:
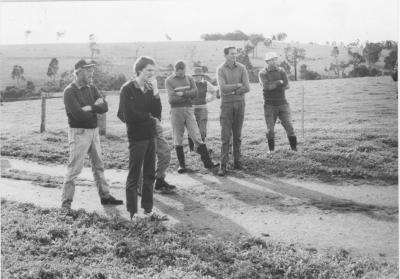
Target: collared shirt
x,y
75,98
228,76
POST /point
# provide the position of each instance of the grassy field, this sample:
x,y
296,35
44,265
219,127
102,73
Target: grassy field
x,y
35,58
350,133
44,243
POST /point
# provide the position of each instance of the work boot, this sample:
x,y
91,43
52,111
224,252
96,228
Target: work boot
x,y
191,144
293,142
181,158
237,165
111,200
271,145
163,187
222,170
205,157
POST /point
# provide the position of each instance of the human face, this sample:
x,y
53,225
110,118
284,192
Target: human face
x,y
148,73
85,75
180,72
231,56
272,62
198,78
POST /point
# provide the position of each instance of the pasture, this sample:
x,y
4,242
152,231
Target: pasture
x,y
35,58
350,133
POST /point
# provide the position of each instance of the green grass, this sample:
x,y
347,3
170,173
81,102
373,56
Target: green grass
x,y
350,133
52,243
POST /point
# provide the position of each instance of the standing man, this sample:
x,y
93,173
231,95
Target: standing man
x,y
181,91
139,107
82,103
200,103
233,82
163,153
274,82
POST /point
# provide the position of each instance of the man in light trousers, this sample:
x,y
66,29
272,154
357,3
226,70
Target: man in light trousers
x,y
82,103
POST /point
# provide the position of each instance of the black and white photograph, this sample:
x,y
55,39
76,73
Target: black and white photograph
x,y
185,139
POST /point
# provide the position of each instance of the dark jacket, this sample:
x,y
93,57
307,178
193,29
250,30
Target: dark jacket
x,y
75,98
138,110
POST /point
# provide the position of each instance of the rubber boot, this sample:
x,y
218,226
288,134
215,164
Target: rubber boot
x,y
191,144
181,158
293,142
205,157
271,145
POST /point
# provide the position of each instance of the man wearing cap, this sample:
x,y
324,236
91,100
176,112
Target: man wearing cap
x,y
274,82
82,103
200,103
233,82
181,91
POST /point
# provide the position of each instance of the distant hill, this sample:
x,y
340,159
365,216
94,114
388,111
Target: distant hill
x,y
35,58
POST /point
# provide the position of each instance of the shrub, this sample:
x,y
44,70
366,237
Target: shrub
x,y
13,92
360,71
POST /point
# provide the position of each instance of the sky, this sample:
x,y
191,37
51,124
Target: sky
x,y
185,20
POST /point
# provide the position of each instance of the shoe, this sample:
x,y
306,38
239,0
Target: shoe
x,y
222,170
271,145
66,204
237,165
111,200
163,187
155,216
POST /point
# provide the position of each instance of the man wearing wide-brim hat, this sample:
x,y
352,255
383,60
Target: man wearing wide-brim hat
x,y
82,104
200,102
274,81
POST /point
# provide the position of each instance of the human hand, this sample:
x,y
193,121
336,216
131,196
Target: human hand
x,y
239,85
99,101
179,93
87,108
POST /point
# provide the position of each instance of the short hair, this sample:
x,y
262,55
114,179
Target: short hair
x,y
179,65
226,49
142,63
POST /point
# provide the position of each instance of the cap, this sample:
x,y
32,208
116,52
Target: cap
x,y
82,64
270,55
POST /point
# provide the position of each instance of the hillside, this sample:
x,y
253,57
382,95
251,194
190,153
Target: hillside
x,y
35,58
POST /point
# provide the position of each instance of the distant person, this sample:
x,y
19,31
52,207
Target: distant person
x,y
395,73
182,90
200,103
82,103
233,82
140,110
274,81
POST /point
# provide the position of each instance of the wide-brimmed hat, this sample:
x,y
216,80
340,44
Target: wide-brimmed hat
x,y
198,72
271,55
82,64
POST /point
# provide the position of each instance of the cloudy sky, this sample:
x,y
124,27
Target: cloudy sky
x,y
185,20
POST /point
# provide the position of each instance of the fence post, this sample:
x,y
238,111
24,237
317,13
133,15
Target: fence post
x,y
102,123
43,118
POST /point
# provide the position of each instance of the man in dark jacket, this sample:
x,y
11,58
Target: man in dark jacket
x,y
82,103
274,82
140,109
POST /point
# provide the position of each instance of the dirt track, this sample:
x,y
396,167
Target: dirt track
x,y
361,219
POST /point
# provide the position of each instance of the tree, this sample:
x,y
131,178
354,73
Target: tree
x,y
93,46
281,36
267,42
293,56
285,65
17,73
53,69
255,39
356,58
60,34
391,59
335,55
372,52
